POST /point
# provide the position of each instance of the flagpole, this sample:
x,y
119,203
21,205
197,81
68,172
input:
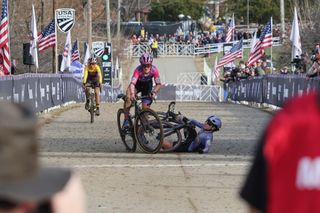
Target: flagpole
x,y
234,25
55,60
271,45
8,16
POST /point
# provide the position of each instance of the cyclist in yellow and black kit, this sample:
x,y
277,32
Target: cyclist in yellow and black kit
x,y
92,76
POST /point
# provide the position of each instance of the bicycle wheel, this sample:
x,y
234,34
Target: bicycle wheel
x,y
148,131
127,135
171,136
92,107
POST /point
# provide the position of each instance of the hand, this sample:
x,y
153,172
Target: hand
x,y
84,86
133,97
153,95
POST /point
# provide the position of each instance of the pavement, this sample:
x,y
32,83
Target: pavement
x,y
117,181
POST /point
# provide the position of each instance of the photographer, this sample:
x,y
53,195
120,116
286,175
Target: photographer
x,y
315,68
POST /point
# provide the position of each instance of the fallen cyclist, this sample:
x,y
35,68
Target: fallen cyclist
x,y
197,141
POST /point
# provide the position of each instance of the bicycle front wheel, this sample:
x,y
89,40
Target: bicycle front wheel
x,y
92,108
126,133
148,131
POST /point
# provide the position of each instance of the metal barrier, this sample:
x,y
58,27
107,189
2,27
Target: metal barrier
x,y
271,89
178,49
44,91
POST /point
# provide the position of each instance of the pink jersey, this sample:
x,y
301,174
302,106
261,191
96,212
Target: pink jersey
x,y
139,76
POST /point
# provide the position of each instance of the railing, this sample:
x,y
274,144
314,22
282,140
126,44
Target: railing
x,y
178,49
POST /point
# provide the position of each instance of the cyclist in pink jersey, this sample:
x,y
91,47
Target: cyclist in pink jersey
x,y
141,81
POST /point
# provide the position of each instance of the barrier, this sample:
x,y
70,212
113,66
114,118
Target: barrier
x,y
271,89
182,49
44,91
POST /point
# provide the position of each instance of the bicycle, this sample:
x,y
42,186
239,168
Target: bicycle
x,y
145,127
92,102
172,128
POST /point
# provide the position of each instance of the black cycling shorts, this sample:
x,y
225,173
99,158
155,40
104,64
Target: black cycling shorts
x,y
95,83
145,88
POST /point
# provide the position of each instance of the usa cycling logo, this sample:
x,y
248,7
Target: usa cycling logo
x,y
65,19
98,48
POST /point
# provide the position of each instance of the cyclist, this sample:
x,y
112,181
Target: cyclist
x,y
92,76
197,141
141,81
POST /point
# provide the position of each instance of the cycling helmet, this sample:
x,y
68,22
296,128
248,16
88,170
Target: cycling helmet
x,y
215,121
146,59
92,60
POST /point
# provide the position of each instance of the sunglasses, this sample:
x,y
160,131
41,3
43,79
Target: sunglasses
x,y
210,123
146,65
92,63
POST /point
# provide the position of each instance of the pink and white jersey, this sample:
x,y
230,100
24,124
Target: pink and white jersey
x,y
138,75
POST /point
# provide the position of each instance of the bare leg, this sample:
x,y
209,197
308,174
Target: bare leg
x,y
97,94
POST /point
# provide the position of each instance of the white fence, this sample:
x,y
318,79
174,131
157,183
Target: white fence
x,y
178,49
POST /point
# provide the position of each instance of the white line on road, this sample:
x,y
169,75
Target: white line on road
x,y
160,165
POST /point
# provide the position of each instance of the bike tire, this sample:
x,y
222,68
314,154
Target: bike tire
x,y
148,131
91,109
127,137
175,137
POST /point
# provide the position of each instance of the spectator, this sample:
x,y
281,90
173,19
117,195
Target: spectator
x,y
284,176
284,70
258,69
13,66
142,33
25,186
134,40
315,68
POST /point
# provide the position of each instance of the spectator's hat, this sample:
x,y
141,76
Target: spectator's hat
x,y
21,176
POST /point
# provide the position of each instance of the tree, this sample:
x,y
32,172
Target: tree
x,y
168,10
259,11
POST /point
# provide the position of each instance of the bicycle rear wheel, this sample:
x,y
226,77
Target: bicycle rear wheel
x,y
126,134
148,131
171,135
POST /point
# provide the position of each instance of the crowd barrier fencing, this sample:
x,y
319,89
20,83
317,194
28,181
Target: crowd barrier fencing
x,y
44,91
274,89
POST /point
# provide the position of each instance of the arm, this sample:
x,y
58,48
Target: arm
x,y
99,74
157,81
196,123
134,79
85,75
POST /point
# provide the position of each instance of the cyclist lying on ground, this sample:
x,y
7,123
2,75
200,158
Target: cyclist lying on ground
x,y
141,81
92,76
197,141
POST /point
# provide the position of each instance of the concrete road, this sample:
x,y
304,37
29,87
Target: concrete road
x,y
116,181
170,67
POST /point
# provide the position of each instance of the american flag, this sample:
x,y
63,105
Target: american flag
x,y
264,41
216,70
231,28
4,40
234,53
75,55
47,37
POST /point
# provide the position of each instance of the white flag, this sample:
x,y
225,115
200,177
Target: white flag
x,y
86,55
34,37
66,60
295,37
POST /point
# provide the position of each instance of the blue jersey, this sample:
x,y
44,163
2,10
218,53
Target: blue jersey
x,y
203,140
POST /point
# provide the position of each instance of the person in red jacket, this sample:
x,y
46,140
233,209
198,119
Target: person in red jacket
x,y
285,175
